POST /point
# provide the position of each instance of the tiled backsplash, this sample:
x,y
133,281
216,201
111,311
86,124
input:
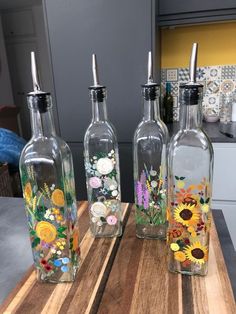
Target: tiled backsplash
x,y
216,80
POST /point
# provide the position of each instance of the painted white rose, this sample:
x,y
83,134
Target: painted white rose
x,y
154,184
104,165
98,209
153,173
114,193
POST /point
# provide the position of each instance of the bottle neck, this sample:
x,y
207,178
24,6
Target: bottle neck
x,y
41,117
151,110
99,106
191,106
190,117
99,111
151,93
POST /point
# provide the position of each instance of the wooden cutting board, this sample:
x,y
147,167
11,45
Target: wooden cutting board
x,y
126,275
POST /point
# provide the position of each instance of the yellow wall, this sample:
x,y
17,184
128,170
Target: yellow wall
x,y
217,45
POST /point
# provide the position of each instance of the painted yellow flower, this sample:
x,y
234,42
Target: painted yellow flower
x,y
56,211
180,256
193,234
28,192
180,184
197,253
58,197
205,208
46,231
174,247
186,214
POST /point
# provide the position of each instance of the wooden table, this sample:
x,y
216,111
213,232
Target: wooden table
x,y
126,275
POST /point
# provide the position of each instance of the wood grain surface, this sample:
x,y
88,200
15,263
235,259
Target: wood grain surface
x,y
126,275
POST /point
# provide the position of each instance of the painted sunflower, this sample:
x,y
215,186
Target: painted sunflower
x,y
186,214
197,253
46,231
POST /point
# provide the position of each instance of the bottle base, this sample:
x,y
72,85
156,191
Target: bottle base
x,y
189,272
106,232
151,231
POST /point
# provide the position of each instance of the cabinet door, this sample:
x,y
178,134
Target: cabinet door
x,y
167,7
120,33
224,180
18,23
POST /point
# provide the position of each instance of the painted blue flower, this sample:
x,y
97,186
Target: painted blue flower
x,y
65,260
64,269
57,262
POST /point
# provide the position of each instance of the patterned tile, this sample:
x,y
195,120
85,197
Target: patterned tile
x,y
183,75
213,73
172,75
212,87
175,88
201,73
228,72
163,75
227,86
211,101
176,114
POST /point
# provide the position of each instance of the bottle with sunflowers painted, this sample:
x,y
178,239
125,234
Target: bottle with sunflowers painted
x,y
102,166
47,179
150,165
190,184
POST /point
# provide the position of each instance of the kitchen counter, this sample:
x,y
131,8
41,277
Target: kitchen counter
x,y
116,275
212,130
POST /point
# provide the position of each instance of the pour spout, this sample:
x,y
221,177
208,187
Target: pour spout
x,y
34,73
150,75
193,64
95,70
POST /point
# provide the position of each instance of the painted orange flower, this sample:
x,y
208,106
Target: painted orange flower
x,y
75,240
58,197
46,231
28,192
180,256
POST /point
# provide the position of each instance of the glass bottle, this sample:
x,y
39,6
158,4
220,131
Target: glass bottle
x,y
150,157
189,184
47,179
168,103
102,166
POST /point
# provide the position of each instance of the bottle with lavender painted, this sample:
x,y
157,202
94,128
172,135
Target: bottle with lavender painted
x,y
102,166
150,156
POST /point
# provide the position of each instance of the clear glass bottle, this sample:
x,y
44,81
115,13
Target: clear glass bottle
x,y
190,167
102,166
150,169
47,179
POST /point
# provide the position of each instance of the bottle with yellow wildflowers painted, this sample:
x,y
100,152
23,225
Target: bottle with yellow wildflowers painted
x,y
47,179
190,167
150,165
102,166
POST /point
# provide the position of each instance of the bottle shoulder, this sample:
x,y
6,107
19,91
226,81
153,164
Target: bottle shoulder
x,y
101,129
45,146
151,128
191,137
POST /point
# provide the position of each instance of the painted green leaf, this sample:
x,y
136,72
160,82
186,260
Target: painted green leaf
x,y
32,232
182,178
103,219
62,235
61,229
69,199
207,200
201,200
35,242
177,178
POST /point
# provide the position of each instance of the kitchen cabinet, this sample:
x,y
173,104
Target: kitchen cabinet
x,y
224,184
18,23
188,12
121,33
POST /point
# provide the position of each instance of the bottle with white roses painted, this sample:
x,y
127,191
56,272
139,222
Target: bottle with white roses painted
x,y
102,166
150,158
